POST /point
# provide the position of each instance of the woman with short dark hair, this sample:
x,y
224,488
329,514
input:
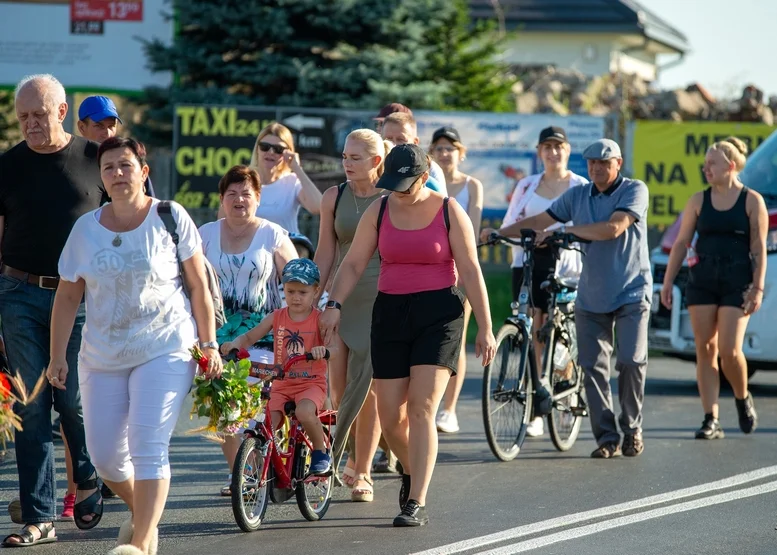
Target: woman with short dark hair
x,y
248,254
135,366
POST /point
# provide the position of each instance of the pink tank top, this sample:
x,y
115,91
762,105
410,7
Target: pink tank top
x,y
415,260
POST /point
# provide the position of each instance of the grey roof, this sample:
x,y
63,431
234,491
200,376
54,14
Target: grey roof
x,y
618,16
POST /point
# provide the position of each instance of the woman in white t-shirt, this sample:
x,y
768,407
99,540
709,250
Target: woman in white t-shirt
x,y
285,185
533,195
134,366
248,254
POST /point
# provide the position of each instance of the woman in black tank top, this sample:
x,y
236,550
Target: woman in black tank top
x,y
727,271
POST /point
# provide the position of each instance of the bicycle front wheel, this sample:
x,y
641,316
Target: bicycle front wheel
x,y
507,399
249,495
314,493
564,421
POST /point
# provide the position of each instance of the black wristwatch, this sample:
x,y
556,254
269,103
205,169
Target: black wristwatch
x,y
333,304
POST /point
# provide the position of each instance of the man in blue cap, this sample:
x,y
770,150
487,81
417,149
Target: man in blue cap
x,y
614,294
99,120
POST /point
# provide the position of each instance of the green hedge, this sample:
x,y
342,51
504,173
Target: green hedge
x,y
500,295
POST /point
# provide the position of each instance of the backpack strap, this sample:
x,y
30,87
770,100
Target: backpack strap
x,y
340,189
381,212
445,214
166,213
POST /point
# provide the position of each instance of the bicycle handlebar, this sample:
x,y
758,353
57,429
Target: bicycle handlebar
x,y
557,239
267,372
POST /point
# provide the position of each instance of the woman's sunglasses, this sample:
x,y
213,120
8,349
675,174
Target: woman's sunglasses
x,y
277,149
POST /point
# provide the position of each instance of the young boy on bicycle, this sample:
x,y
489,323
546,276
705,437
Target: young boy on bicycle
x,y
295,332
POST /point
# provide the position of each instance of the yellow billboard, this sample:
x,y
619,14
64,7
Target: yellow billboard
x,y
669,157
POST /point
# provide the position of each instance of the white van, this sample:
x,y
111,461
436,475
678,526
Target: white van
x,y
670,330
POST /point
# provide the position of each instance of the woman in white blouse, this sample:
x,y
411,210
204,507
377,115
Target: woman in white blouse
x,y
248,254
135,368
285,185
533,195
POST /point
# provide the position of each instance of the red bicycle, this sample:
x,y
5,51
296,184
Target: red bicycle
x,y
269,466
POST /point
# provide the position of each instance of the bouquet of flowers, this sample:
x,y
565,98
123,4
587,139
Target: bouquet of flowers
x,y
229,402
12,390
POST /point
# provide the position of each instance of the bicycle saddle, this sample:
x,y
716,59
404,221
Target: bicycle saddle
x,y
557,282
289,408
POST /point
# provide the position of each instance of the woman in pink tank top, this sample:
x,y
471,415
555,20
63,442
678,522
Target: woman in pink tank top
x,y
424,241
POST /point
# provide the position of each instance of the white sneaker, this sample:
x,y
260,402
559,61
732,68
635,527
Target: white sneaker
x,y
447,422
536,427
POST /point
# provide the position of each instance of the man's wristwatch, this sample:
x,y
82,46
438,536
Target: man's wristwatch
x,y
209,345
333,304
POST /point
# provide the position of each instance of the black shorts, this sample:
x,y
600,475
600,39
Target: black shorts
x,y
544,265
416,329
719,281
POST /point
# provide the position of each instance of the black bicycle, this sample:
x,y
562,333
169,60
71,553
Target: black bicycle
x,y
514,389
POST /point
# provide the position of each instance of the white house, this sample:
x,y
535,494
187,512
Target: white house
x,y
592,36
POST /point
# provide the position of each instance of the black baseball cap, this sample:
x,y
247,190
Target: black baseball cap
x,y
448,133
553,134
404,164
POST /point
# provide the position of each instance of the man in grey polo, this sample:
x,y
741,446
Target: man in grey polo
x,y
614,291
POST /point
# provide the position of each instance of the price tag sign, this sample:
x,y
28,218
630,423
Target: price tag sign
x,y
106,10
87,28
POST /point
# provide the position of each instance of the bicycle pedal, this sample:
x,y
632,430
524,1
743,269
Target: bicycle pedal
x,y
579,411
326,474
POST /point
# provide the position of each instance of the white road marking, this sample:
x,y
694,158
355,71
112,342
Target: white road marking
x,y
590,529
567,520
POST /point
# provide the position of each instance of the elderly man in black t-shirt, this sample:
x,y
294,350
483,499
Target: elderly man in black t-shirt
x,y
46,183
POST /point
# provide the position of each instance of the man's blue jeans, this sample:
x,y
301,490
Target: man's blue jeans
x,y
25,314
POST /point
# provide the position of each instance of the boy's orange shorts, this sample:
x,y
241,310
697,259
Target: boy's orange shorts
x,y
315,392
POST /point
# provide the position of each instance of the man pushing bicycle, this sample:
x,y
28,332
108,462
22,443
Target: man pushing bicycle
x,y
614,292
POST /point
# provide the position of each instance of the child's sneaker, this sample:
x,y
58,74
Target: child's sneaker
x,y
320,463
69,504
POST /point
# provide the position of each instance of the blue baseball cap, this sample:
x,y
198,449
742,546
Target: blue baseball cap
x,y
98,108
301,270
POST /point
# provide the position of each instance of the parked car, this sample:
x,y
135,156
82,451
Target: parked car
x,y
670,330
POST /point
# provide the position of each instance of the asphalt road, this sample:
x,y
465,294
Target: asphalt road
x,y
681,496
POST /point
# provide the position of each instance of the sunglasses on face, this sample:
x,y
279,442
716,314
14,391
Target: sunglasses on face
x,y
277,149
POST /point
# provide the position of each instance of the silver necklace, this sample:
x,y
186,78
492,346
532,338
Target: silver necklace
x,y
356,204
117,239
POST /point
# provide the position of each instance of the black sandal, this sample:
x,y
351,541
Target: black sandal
x,y
91,506
47,535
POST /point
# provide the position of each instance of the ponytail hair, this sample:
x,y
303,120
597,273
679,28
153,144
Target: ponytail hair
x,y
734,149
374,145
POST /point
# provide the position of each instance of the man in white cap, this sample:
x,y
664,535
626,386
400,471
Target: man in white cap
x,y
614,291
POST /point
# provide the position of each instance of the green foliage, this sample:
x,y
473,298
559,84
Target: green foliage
x,y
10,134
499,285
325,53
227,402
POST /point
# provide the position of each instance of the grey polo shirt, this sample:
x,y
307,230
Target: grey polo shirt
x,y
615,272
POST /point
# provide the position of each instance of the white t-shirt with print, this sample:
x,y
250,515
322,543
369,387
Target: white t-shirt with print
x,y
279,202
248,282
136,309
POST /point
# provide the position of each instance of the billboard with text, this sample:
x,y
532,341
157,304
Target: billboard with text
x,y
87,44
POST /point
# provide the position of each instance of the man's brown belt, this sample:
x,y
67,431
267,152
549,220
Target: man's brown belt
x,y
44,282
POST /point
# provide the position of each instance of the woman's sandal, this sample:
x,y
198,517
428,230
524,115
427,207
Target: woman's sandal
x,y
91,506
364,494
126,550
47,535
349,476
125,537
